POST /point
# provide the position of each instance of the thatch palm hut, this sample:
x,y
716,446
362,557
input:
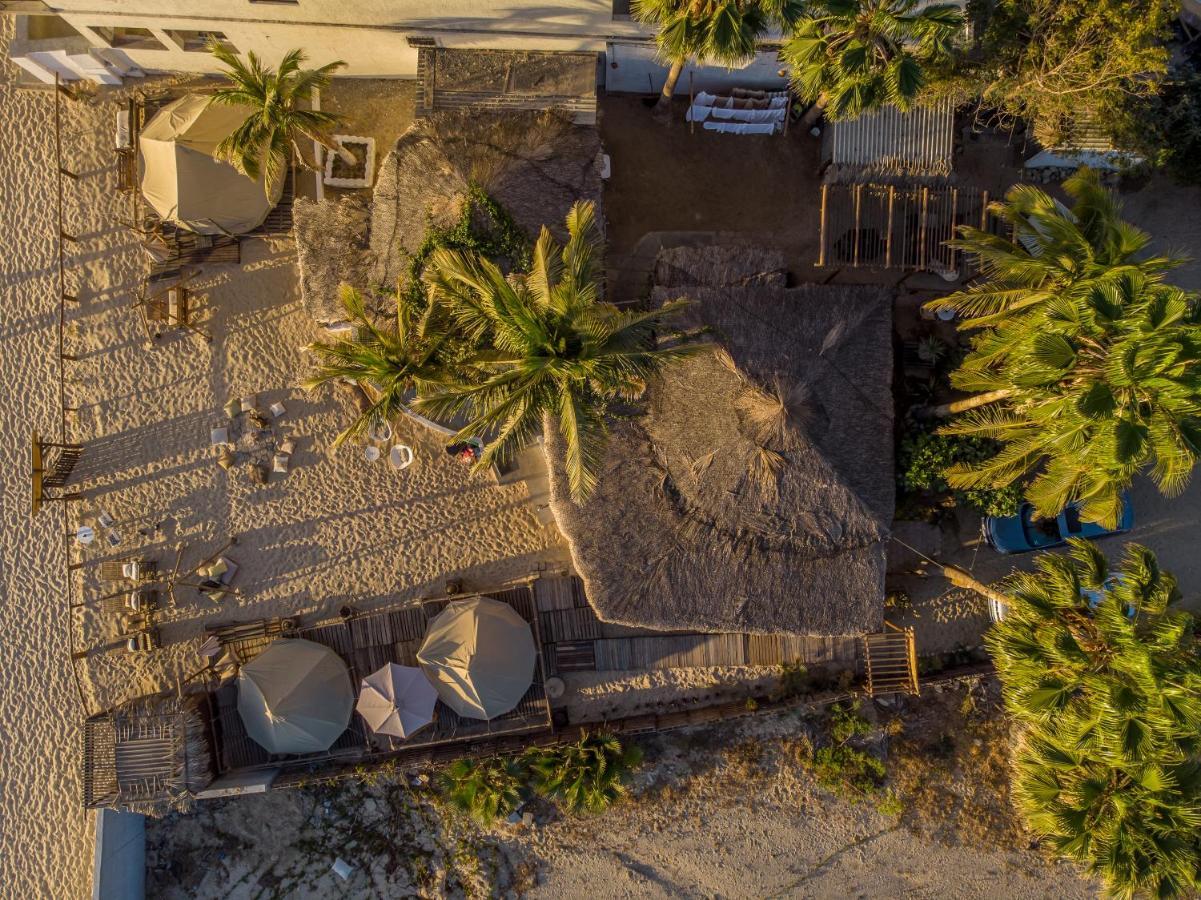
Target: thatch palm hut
x,y
756,492
535,164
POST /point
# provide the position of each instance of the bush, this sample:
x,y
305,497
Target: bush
x,y
846,722
587,775
485,789
1164,127
483,227
924,458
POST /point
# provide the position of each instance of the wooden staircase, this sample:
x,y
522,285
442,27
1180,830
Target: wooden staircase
x,y
890,660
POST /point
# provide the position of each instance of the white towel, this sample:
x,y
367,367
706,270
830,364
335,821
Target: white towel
x,y
740,128
749,115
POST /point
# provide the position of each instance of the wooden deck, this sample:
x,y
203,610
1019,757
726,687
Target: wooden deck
x,y
575,640
367,642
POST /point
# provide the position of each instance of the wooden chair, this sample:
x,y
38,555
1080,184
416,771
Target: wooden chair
x,y
173,306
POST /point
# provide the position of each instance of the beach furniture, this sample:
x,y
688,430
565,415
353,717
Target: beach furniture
x,y
132,601
216,576
277,409
142,641
401,456
128,569
172,306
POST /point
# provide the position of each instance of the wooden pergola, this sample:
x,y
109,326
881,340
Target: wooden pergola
x,y
889,226
52,465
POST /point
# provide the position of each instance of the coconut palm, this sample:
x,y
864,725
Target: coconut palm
x,y
1046,247
390,363
849,57
485,789
1098,384
263,143
559,355
710,32
589,774
1103,676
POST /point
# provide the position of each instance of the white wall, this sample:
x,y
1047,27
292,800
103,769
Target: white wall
x,y
635,62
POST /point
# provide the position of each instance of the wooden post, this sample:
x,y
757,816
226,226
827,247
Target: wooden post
x,y
921,256
892,199
691,121
858,205
63,170
821,250
70,298
954,220
67,237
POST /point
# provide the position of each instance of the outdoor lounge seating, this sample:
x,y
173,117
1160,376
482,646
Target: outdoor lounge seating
x,y
143,641
215,577
132,601
128,569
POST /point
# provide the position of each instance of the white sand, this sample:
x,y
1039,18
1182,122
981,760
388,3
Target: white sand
x,y
337,530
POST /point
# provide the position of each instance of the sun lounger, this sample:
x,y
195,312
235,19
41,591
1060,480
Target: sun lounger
x,y
135,601
129,569
143,641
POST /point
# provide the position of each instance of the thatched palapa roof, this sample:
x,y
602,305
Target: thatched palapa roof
x,y
756,492
534,164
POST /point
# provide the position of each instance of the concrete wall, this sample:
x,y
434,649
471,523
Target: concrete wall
x,y
370,35
119,866
632,68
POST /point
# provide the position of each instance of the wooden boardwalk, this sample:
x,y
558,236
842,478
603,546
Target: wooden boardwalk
x,y
366,642
575,640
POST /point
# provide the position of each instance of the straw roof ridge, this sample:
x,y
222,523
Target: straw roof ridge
x,y
756,492
331,250
535,164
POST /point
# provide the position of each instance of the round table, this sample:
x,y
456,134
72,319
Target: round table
x,y
85,534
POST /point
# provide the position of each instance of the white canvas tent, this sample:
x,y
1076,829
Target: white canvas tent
x,y
295,697
480,656
185,184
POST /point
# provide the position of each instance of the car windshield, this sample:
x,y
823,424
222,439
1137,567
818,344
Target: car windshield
x,y
1039,532
1071,516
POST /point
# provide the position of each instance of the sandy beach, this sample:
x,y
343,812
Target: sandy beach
x,y
336,530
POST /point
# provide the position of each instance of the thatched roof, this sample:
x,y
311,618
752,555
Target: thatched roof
x,y
331,250
535,164
756,492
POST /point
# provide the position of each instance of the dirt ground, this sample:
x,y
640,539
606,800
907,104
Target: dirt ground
x,y
730,810
380,108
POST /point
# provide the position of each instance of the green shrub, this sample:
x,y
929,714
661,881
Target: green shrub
x,y
483,227
924,457
846,722
486,789
838,767
587,775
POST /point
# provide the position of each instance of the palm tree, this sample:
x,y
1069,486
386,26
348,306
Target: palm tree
x,y
714,32
1086,365
263,143
559,355
1103,677
485,789
1085,392
849,57
587,775
390,363
1047,247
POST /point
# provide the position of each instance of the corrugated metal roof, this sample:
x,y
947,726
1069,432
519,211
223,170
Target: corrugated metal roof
x,y
917,142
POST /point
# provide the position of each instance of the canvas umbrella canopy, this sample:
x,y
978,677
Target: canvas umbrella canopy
x,y
184,183
295,697
397,700
480,656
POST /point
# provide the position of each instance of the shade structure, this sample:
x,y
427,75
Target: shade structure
x,y
295,697
480,656
184,183
396,700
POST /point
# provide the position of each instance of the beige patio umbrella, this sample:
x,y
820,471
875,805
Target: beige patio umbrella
x,y
480,656
184,183
295,697
396,700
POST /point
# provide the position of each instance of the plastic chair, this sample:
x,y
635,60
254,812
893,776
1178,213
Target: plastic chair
x,y
401,456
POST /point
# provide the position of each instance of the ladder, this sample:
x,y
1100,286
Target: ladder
x,y
890,660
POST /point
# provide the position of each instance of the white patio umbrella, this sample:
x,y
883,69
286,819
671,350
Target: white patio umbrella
x,y
295,697
480,656
397,700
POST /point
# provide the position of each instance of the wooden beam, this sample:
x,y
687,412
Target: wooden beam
x,y
892,199
821,250
858,204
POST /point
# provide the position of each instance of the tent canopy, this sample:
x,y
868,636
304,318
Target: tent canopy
x,y
295,697
480,656
184,183
397,700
